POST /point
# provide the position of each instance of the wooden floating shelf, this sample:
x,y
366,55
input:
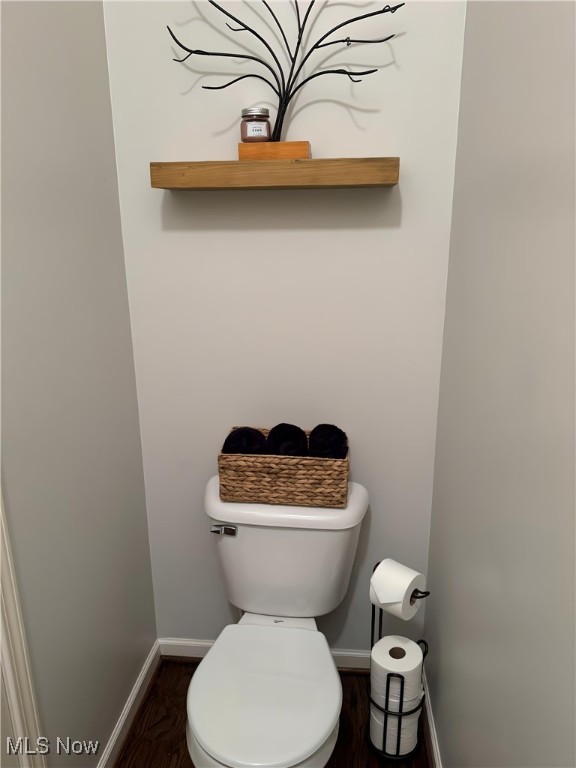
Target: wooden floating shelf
x,y
277,174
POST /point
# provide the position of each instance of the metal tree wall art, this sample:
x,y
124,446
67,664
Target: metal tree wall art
x,y
286,81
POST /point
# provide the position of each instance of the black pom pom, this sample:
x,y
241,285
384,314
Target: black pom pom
x,y
328,442
287,440
245,440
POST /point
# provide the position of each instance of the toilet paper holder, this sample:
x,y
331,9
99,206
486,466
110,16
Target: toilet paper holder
x,y
417,594
397,716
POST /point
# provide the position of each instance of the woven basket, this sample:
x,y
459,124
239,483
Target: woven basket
x,y
303,481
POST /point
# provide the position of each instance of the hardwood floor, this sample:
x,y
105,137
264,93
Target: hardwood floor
x,y
157,737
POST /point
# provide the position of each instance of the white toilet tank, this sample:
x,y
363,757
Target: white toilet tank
x,y
286,561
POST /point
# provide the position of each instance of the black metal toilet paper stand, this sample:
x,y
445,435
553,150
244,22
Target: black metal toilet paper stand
x,y
386,711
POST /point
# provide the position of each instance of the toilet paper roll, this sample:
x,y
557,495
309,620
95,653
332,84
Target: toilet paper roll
x,y
402,656
394,702
391,588
408,732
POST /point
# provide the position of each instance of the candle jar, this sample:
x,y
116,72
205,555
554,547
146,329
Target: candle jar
x,y
255,125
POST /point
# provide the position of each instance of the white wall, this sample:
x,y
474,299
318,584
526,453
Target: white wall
x,y
500,620
305,306
72,476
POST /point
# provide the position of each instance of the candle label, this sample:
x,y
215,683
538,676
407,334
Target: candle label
x,y
257,129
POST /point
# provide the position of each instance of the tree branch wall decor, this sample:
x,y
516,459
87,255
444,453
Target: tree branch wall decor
x,y
286,81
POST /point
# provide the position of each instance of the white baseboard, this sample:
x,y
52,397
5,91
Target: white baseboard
x,y
190,649
432,727
345,659
183,646
134,700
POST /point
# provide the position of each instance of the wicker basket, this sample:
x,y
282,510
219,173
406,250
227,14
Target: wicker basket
x,y
303,481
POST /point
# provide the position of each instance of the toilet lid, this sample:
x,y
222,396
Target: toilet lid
x,y
264,696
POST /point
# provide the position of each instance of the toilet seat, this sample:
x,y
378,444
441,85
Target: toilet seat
x,y
202,759
267,696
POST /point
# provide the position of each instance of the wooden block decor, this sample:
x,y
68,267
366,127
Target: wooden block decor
x,y
275,150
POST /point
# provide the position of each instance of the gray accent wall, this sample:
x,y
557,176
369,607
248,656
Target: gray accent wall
x,y
72,464
500,620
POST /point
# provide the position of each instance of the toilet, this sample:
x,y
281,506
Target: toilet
x,y
268,694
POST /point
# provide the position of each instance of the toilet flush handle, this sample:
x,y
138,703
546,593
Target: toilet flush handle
x,y
227,530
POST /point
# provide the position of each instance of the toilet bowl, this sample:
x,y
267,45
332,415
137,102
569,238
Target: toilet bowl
x,y
266,694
